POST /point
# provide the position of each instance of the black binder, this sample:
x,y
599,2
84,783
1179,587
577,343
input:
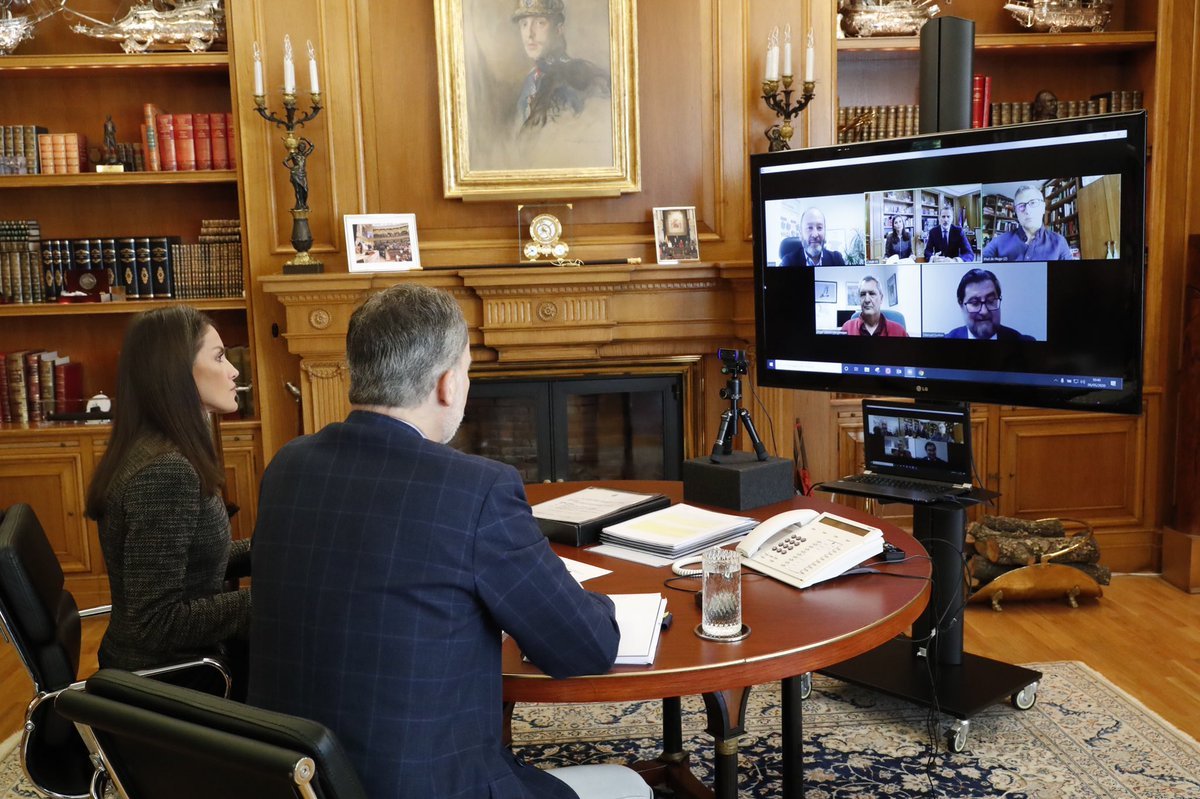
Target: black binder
x,y
581,534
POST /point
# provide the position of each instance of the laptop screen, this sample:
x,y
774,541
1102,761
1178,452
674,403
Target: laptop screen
x,y
930,442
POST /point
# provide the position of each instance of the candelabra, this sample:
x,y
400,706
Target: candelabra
x,y
299,149
780,134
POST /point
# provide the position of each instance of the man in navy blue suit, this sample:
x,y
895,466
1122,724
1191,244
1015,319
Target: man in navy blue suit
x,y
387,565
946,242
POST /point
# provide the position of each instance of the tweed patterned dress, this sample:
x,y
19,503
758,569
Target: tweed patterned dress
x,y
168,550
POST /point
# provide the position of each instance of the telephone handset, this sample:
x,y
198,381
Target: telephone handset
x,y
803,547
754,540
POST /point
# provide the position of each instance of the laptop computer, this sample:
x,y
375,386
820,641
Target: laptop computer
x,y
912,453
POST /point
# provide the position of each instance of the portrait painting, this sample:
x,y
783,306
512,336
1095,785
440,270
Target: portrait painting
x,y
382,242
675,236
538,98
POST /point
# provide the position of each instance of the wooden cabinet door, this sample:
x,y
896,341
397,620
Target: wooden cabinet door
x,y
243,466
50,480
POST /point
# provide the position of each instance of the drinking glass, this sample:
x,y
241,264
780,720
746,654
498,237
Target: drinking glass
x,y
721,602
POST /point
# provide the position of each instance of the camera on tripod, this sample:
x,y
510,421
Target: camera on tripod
x,y
734,364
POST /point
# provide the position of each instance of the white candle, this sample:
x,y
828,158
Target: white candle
x,y
787,51
808,58
773,55
289,67
258,71
312,70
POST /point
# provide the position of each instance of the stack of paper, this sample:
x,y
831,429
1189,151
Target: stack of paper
x,y
639,616
676,531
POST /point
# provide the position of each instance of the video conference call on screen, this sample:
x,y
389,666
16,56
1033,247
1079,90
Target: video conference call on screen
x,y
1007,259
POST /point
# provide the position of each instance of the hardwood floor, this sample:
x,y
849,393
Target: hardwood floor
x,y
1143,635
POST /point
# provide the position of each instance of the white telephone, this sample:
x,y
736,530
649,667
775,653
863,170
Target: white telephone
x,y
803,547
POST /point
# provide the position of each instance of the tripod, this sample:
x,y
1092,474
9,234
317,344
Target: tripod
x,y
723,446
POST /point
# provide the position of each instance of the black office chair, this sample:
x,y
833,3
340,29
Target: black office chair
x,y
160,741
41,620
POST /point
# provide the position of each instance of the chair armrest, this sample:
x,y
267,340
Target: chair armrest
x,y
99,610
175,668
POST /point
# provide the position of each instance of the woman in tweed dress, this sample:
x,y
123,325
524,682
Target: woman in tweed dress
x,y
156,495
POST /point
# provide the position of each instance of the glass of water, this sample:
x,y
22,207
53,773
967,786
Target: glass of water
x,y
721,605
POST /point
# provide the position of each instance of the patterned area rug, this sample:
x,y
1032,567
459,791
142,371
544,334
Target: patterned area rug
x,y
1084,739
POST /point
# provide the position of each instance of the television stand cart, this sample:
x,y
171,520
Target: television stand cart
x,y
940,674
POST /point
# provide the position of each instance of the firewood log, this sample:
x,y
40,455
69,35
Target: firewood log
x,y
1046,528
1011,551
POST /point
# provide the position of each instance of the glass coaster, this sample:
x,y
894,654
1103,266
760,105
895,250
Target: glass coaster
x,y
742,633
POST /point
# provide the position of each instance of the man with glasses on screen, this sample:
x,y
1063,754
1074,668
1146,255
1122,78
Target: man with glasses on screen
x,y
1031,240
979,298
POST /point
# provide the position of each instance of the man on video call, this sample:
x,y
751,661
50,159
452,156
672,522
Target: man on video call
x,y
809,249
390,563
979,299
870,320
946,242
1031,240
931,455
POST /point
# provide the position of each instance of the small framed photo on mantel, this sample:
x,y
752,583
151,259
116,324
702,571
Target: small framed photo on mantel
x,y
382,242
675,235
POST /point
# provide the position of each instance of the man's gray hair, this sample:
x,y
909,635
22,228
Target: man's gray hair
x,y
399,342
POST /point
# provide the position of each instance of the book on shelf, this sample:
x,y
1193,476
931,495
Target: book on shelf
x,y
220,143
230,140
639,619
5,414
977,101
676,531
987,101
145,281
202,138
185,144
577,518
127,265
150,145
68,386
162,268
18,400
45,366
165,125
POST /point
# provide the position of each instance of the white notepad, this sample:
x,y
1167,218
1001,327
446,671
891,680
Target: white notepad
x,y
639,617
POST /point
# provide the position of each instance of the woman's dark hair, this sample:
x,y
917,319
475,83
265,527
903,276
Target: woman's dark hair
x,y
156,394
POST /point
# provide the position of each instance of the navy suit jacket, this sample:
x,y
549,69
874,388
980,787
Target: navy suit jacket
x,y
1002,334
957,247
385,568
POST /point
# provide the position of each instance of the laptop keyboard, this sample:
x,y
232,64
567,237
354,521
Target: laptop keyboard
x,y
906,484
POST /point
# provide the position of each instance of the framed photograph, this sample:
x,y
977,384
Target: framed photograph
x,y
675,235
538,98
893,298
826,290
382,242
852,297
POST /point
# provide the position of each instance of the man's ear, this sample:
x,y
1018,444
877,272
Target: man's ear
x,y
445,388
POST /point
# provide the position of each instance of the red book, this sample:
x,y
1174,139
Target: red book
x,y
987,101
5,415
220,147
977,101
150,137
166,141
68,386
230,144
185,145
202,136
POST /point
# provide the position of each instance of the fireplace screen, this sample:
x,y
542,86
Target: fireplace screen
x,y
610,428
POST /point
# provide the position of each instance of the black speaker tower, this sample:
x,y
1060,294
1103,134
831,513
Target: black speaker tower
x,y
947,69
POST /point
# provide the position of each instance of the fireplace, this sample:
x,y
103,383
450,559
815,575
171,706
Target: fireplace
x,y
551,428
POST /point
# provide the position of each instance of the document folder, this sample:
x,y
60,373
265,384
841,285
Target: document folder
x,y
568,520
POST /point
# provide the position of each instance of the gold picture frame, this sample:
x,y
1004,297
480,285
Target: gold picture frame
x,y
500,142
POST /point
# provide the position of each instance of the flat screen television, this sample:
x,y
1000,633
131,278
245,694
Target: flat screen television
x,y
991,265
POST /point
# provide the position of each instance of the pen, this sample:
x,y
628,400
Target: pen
x,y
667,618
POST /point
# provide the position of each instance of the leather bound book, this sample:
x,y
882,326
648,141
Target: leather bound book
x,y
49,286
61,250
127,263
166,141
220,147
33,385
110,261
150,146
145,282
18,402
5,414
81,255
46,379
185,145
230,140
68,386
96,248
162,268
202,137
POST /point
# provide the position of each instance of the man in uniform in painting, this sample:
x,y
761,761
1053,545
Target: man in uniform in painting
x,y
557,86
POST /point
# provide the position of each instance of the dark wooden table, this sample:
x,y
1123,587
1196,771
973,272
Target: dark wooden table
x,y
794,633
